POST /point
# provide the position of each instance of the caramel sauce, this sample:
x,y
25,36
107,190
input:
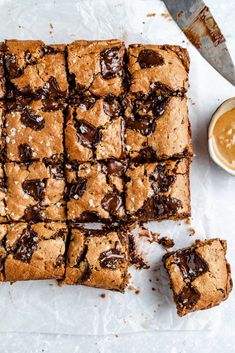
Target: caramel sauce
x,y
224,137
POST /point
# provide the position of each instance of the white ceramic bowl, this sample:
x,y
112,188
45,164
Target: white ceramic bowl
x,y
223,108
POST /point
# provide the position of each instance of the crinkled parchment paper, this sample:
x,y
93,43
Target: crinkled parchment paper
x,y
44,307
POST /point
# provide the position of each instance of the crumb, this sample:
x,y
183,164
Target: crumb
x,y
116,335
188,220
157,279
137,291
151,14
143,23
183,41
50,284
150,280
51,25
130,287
20,26
166,242
154,237
50,32
103,295
153,289
144,233
192,231
167,16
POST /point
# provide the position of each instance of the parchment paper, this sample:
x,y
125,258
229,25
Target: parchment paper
x,y
44,307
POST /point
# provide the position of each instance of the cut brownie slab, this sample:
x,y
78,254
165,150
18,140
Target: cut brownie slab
x,y
165,66
35,251
34,130
98,258
96,66
157,127
200,275
95,192
34,68
156,191
35,192
94,130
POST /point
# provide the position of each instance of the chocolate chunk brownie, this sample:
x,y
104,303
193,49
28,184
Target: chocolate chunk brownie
x,y
156,191
165,66
95,192
35,69
94,130
35,192
34,130
35,251
96,66
157,127
98,258
2,72
200,275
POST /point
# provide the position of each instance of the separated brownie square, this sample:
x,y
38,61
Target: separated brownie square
x,y
34,130
34,68
96,66
2,73
35,192
156,191
32,251
94,129
95,192
166,66
2,139
98,258
200,275
157,127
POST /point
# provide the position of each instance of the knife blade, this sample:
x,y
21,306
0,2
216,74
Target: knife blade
x,y
198,24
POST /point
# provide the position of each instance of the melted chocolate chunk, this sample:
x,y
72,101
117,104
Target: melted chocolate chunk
x,y
59,261
25,152
190,264
76,189
112,108
87,134
85,275
162,180
115,167
89,216
35,188
51,88
55,165
87,102
32,120
112,202
82,256
12,65
111,258
61,233
110,63
142,124
33,214
51,105
149,58
146,154
28,57
188,297
166,205
26,245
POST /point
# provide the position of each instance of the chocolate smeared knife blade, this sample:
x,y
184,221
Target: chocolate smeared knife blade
x,y
196,21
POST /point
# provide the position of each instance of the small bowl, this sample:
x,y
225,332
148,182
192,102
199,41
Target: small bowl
x,y
223,108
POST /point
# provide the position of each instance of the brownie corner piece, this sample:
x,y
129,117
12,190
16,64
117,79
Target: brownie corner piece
x,y
94,129
35,69
158,190
200,275
164,65
98,258
96,66
94,191
32,251
35,192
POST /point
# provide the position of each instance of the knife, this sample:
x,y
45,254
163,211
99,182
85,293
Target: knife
x,y
198,24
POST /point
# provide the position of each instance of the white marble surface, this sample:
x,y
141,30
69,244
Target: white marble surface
x,y
208,89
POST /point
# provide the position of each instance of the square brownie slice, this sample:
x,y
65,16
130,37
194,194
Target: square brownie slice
x,y
98,258
32,251
94,129
34,130
95,192
200,275
96,66
157,127
35,69
165,66
35,192
2,137
156,191
2,72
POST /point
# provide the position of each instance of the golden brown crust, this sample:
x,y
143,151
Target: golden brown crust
x,y
98,259
200,275
34,251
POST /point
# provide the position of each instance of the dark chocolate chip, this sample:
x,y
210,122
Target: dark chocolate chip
x,y
25,245
12,65
55,165
190,263
32,120
89,216
149,58
115,167
87,102
59,261
110,63
162,180
35,188
109,259
112,108
25,152
112,202
76,189
87,134
33,214
188,297
51,88
82,256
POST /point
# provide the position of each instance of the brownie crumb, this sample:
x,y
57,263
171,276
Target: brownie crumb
x,y
166,242
151,14
192,231
167,16
137,291
103,295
